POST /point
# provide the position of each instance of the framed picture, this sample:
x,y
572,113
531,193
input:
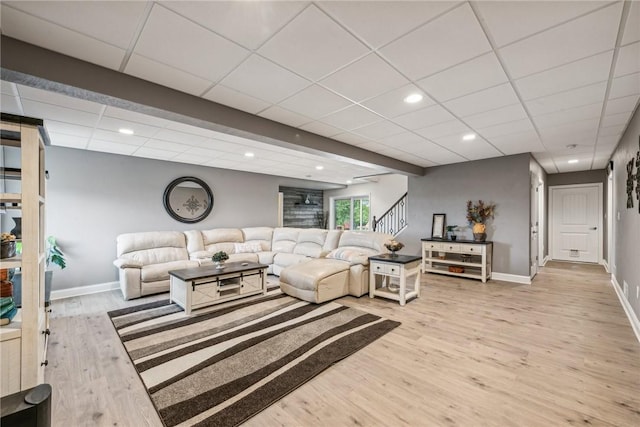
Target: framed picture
x,y
437,228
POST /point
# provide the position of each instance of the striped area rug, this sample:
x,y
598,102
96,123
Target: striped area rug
x,y
226,363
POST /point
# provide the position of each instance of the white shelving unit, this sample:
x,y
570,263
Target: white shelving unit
x,y
23,342
451,256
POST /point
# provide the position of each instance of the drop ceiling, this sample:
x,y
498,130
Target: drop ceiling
x,y
558,79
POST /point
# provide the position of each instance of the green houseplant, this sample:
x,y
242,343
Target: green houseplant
x,y
451,230
219,258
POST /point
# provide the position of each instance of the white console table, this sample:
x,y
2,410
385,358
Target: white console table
x,y
463,258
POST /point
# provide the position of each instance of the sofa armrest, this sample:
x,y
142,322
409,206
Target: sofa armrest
x,y
127,263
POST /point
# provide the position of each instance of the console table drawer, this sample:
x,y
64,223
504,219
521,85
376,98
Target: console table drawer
x,y
450,247
388,269
472,249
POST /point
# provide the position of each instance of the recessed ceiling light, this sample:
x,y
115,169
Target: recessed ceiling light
x,y
249,154
413,98
319,167
573,161
469,137
348,181
126,131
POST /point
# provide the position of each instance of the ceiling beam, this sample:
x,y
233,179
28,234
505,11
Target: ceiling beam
x,y
33,66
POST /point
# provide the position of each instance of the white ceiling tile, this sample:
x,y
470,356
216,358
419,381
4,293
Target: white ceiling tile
x,y
406,141
165,75
285,116
570,76
111,147
622,105
520,142
632,27
190,158
624,86
315,102
175,41
365,78
608,141
320,128
207,153
588,127
180,137
192,130
437,154
67,128
114,22
234,99
351,118
152,153
591,111
628,60
384,20
313,45
446,41
8,88
113,124
586,36
472,150
616,119
263,79
471,76
108,136
379,130
11,104
497,116
54,98
71,141
569,99
517,126
247,23
509,21
158,144
443,129
37,31
61,114
391,104
425,117
600,163
485,100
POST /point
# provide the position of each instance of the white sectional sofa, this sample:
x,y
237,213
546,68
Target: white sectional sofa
x,y
333,261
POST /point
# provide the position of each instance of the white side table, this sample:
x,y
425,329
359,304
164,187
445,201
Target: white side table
x,y
388,266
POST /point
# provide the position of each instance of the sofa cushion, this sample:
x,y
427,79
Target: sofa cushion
x,y
307,276
262,235
218,235
285,239
365,239
285,260
155,272
150,240
247,247
310,242
352,254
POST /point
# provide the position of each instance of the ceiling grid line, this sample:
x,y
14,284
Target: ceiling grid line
x,y
136,36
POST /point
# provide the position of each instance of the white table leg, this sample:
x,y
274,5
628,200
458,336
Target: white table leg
x,y
372,283
403,287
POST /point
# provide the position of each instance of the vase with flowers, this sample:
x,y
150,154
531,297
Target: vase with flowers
x,y
393,246
477,215
219,258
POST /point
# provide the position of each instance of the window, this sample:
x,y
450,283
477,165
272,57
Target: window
x,y
351,213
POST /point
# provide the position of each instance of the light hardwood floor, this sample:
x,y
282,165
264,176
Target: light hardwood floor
x,y
557,352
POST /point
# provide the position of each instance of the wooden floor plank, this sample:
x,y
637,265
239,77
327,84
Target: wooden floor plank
x,y
557,352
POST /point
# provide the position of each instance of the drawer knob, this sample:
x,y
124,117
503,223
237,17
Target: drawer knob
x,y
46,332
45,363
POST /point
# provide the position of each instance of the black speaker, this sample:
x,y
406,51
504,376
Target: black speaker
x,y
28,408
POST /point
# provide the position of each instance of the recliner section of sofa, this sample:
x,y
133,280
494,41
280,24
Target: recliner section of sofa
x,y
144,259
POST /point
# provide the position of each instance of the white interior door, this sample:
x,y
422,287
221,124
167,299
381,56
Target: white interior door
x,y
576,217
535,188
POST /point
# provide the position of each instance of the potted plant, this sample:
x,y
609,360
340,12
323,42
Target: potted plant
x,y
477,215
8,246
451,230
219,258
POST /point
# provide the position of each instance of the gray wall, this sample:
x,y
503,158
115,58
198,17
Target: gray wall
x,y
92,197
582,177
446,189
626,224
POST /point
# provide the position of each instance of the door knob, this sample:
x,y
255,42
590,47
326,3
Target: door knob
x,y
593,228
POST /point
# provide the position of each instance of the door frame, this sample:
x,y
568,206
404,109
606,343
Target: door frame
x,y
551,213
611,247
536,184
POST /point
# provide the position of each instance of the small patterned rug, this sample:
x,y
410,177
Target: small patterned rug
x,y
224,364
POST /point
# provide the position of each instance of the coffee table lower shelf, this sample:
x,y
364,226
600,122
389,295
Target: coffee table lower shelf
x,y
194,288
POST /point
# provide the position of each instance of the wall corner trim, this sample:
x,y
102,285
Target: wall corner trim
x,y
84,290
545,260
633,319
606,265
505,277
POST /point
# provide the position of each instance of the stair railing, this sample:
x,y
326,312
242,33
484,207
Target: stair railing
x,y
394,220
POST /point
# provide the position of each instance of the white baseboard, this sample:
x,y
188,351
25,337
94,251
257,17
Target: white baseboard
x,y
635,323
606,265
525,280
544,260
84,290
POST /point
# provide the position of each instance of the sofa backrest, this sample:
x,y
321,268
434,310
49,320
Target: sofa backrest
x,y
356,247
153,247
284,239
310,242
222,239
261,235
